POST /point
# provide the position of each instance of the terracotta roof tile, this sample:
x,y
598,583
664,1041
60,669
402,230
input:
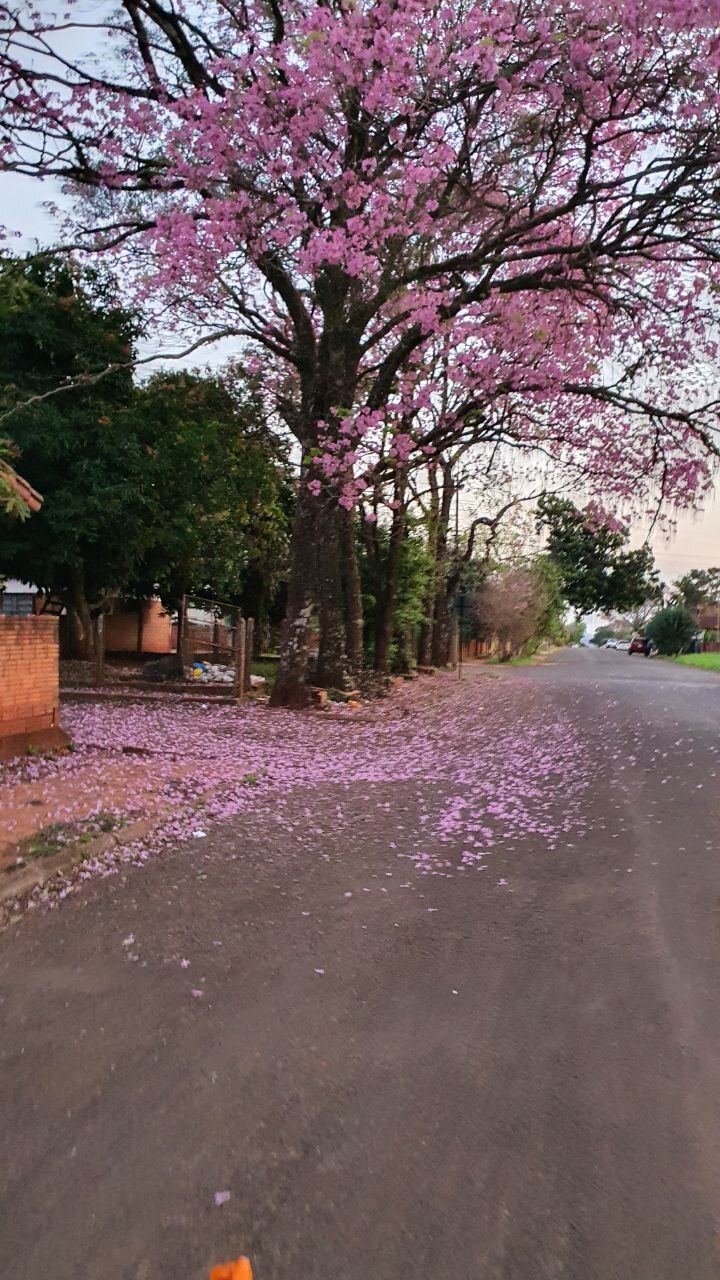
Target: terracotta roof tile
x,y
19,486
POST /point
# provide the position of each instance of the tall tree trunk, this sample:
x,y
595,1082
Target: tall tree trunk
x,y
81,627
442,608
328,379
385,613
332,658
404,650
425,644
180,655
290,688
353,597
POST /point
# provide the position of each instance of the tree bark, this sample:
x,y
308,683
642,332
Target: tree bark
x,y
441,611
332,659
385,613
179,663
425,644
81,626
328,369
290,688
353,597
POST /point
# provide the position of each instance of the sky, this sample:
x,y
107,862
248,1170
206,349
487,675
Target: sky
x,y
693,544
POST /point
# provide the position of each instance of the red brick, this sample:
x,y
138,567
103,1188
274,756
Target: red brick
x,y
28,674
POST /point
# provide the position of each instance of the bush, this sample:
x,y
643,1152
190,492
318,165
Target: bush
x,y
671,630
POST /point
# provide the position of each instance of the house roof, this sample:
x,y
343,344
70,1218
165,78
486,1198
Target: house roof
x,y
24,491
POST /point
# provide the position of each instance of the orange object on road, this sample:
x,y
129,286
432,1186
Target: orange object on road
x,y
240,1270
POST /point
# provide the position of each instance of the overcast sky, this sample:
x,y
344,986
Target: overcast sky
x,y
694,545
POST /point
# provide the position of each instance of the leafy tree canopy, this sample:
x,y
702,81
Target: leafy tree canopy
x,y
603,634
56,325
177,482
698,587
597,571
217,487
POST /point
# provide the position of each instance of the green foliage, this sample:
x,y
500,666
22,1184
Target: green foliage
x,y
177,481
604,633
217,486
547,594
574,631
415,569
72,447
415,572
671,630
597,572
267,668
698,587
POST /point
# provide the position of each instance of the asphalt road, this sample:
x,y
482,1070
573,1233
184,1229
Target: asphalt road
x,y
513,1076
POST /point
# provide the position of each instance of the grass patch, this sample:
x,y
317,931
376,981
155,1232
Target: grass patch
x,y
522,660
58,835
267,667
706,661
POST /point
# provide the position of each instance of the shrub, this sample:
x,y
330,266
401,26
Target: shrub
x,y
671,630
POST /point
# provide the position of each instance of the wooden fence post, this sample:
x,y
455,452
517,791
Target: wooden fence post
x,y
249,634
240,659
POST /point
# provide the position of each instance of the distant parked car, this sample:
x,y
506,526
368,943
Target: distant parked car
x,y
611,644
624,645
640,644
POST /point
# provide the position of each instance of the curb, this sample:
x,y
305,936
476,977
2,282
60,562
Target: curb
x,y
22,883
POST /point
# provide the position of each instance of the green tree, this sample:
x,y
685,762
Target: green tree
x,y
672,629
177,482
57,326
575,631
603,634
597,571
414,567
698,587
218,491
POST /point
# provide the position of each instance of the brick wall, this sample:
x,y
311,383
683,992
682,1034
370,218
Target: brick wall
x,y
121,629
28,675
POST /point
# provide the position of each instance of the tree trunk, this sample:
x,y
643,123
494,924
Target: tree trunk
x,y
99,647
179,663
81,626
328,379
425,644
404,650
332,660
453,643
290,688
385,614
441,611
353,597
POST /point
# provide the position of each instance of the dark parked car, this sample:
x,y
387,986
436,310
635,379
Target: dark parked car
x,y
639,644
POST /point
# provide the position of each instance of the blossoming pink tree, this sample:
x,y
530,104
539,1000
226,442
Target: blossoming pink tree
x,y
341,186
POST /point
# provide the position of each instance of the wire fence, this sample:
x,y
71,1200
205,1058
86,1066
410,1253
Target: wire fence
x,y
214,633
